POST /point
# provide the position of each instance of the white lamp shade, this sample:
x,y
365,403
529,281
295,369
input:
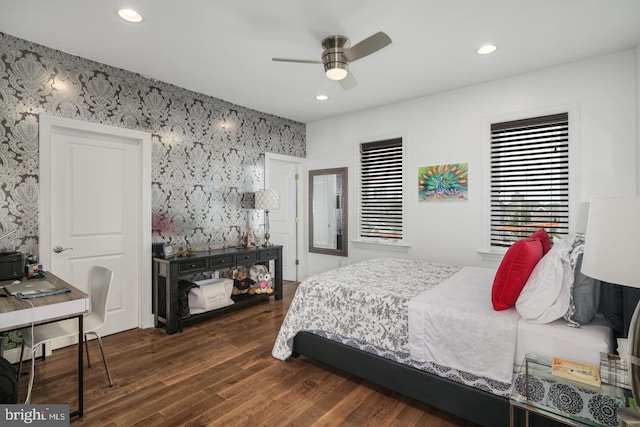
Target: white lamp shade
x,y
267,200
612,241
583,217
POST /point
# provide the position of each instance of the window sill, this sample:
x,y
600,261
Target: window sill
x,y
492,256
401,246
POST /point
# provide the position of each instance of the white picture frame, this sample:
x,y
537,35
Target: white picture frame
x,y
167,251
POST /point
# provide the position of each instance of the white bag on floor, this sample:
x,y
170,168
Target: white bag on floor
x,y
212,294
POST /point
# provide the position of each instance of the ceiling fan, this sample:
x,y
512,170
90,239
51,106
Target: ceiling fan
x,y
338,53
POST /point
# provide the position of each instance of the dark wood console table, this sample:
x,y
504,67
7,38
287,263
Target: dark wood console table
x,y
168,272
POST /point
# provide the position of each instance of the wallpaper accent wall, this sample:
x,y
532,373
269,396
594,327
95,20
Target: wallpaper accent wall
x,y
208,154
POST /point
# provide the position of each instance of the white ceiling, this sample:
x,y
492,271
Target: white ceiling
x,y
223,48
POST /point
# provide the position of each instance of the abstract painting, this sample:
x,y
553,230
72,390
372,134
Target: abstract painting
x,y
443,182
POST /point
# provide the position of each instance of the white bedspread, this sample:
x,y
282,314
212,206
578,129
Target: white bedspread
x,y
454,324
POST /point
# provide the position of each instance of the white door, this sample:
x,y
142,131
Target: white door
x,y
282,174
94,212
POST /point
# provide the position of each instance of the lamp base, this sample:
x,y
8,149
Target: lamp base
x,y
629,417
267,243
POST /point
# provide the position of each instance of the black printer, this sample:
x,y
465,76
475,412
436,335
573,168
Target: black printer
x,y
11,265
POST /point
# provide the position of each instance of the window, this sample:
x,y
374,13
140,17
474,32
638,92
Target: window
x,y
529,178
381,189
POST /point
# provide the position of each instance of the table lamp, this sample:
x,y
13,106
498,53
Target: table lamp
x,y
612,254
267,200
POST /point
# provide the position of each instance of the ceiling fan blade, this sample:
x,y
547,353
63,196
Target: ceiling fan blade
x,y
367,46
348,82
302,61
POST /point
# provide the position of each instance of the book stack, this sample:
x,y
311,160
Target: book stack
x,y
614,370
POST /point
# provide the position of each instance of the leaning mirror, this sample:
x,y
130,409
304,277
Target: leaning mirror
x,y
328,211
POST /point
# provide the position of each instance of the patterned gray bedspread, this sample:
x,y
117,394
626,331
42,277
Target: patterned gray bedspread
x,y
367,301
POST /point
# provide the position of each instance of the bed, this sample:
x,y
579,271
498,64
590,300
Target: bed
x,y
356,318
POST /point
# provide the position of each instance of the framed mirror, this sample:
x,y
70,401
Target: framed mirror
x,y
328,219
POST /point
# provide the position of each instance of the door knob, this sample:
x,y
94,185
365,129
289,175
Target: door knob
x,y
58,249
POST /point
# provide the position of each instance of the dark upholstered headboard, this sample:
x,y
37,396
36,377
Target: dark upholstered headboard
x,y
617,304
630,298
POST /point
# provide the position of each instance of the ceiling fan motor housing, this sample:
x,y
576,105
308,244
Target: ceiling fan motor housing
x,y
333,54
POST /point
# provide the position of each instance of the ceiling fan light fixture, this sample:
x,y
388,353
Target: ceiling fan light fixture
x,y
336,73
336,66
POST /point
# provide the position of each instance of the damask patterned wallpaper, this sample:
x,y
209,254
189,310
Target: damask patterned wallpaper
x,y
208,154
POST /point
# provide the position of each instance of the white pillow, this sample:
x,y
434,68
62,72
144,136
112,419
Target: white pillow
x,y
545,297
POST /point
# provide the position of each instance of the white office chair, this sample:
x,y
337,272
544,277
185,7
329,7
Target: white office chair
x,y
99,283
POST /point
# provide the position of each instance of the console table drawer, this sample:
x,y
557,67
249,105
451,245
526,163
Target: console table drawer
x,y
268,254
196,264
221,261
247,257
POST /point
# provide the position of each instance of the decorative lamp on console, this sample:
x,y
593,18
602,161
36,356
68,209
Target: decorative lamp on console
x,y
612,254
267,200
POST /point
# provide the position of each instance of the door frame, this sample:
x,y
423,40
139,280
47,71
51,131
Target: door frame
x,y
47,123
299,162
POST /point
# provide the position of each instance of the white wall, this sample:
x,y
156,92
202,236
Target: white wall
x,y
452,127
637,54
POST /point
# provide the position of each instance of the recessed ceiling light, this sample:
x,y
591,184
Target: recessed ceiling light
x,y
486,49
130,15
322,97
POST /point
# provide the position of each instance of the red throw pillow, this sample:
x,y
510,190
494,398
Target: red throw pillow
x,y
544,239
514,270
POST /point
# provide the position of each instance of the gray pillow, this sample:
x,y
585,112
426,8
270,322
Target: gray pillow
x,y
585,293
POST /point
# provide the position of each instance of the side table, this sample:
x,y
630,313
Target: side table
x,y
568,402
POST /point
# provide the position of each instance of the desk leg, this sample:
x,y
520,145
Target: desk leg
x,y
80,410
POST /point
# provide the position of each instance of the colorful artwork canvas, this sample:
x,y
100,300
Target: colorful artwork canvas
x,y
443,182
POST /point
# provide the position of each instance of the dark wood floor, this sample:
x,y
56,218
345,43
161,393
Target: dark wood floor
x,y
220,373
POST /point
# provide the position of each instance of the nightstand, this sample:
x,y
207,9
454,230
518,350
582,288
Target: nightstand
x,y
569,402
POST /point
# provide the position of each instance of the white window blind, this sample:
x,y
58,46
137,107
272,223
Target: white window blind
x,y
529,178
381,189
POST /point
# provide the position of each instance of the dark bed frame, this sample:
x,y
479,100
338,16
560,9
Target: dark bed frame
x,y
469,403
455,398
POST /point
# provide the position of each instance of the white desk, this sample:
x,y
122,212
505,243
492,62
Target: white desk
x,y
18,314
